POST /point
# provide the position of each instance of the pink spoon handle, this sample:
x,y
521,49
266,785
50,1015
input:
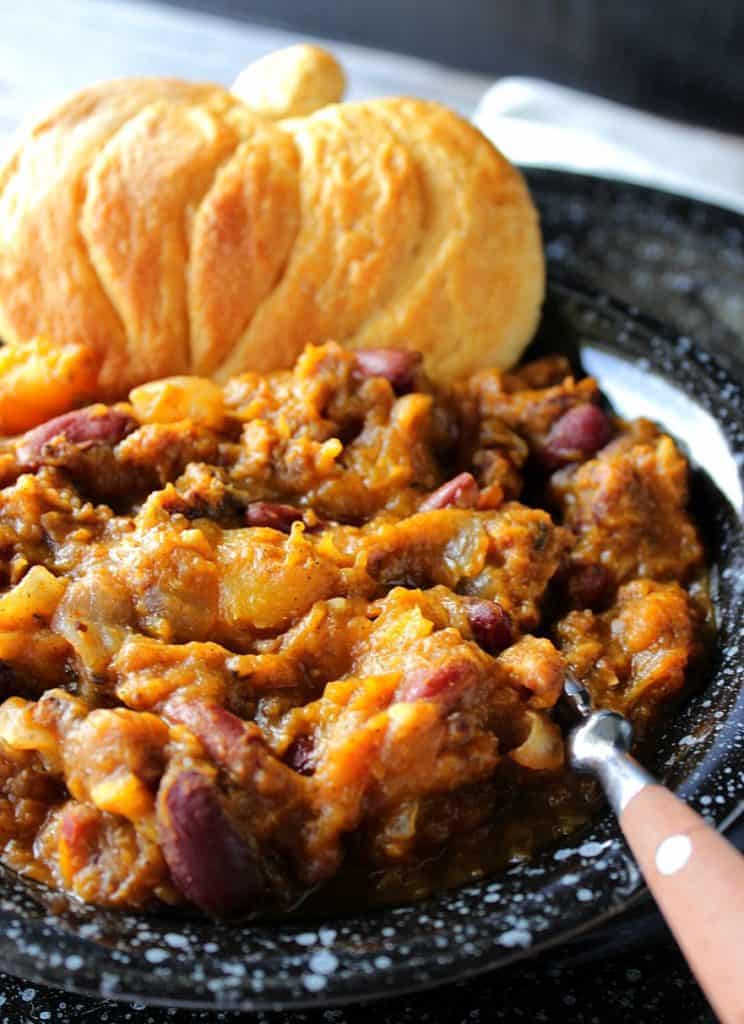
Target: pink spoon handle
x,y
697,878
695,875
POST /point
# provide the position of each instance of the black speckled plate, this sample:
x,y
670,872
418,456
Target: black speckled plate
x,y
644,370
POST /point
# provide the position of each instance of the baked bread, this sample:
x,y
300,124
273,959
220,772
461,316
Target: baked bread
x,y
164,227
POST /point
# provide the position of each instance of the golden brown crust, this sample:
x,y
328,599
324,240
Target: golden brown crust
x,y
168,228
361,218
143,190
472,295
48,285
243,234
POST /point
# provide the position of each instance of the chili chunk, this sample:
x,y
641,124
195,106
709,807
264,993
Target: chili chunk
x,y
258,637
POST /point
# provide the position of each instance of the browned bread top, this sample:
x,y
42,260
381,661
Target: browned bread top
x,y
171,227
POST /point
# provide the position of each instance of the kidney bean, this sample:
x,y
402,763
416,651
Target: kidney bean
x,y
209,862
589,585
461,491
396,365
579,433
300,755
491,624
444,682
272,514
84,427
219,731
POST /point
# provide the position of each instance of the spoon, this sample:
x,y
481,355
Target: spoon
x,y
695,875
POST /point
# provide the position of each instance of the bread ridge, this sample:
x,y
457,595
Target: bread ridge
x,y
144,270
95,320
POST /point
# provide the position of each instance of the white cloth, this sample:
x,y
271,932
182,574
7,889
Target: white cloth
x,y
537,123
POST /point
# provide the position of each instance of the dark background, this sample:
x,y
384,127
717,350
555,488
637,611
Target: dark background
x,y
680,58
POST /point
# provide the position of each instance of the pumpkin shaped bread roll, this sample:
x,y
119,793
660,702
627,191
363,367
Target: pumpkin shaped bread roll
x,y
166,227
